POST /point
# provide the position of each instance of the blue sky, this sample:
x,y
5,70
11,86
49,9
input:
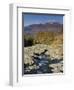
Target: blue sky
x,y
30,19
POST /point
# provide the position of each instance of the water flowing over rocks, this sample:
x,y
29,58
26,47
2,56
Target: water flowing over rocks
x,y
50,61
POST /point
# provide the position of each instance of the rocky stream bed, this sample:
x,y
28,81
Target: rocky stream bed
x,y
40,58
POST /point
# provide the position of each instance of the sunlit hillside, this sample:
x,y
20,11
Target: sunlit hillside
x,y
44,38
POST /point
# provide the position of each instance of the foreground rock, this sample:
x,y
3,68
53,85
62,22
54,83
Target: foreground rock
x,y
55,58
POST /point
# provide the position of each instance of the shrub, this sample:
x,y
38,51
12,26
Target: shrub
x,y
28,40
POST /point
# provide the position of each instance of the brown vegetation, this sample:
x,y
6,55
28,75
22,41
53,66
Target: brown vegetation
x,y
48,38
44,38
54,39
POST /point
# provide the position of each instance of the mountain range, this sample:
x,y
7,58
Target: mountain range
x,y
47,27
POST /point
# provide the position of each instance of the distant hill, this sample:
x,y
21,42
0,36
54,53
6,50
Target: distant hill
x,y
48,27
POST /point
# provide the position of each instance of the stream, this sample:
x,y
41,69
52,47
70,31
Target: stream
x,y
42,62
